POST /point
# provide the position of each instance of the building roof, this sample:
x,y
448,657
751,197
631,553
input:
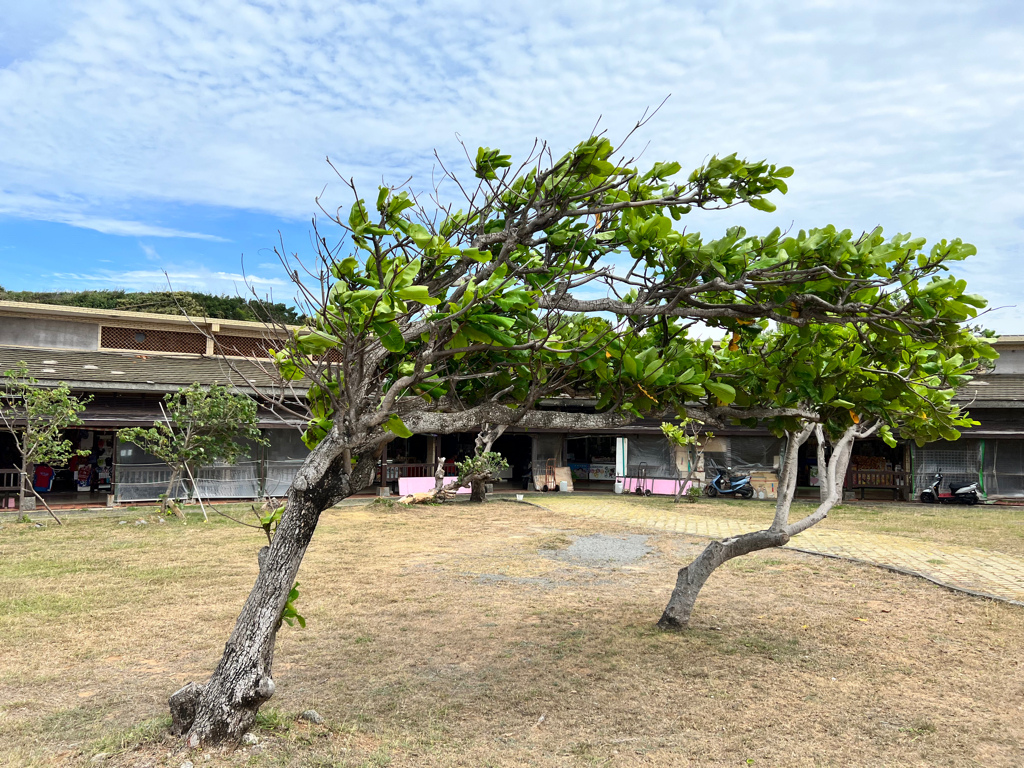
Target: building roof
x,y
140,372
994,390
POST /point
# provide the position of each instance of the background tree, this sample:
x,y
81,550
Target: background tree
x,y
37,418
842,384
201,426
688,434
445,319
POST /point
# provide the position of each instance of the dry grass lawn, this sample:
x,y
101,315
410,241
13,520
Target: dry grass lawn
x,y
468,635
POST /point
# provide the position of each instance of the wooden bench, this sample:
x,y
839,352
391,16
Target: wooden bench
x,y
893,480
8,488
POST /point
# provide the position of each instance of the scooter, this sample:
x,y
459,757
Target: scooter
x,y
725,484
960,493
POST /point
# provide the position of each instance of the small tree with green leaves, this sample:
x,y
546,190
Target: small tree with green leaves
x,y
37,418
200,427
689,434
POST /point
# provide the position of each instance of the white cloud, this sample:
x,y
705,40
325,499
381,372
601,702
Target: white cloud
x,y
73,211
901,113
175,278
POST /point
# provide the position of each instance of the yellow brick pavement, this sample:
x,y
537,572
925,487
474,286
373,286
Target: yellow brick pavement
x,y
978,571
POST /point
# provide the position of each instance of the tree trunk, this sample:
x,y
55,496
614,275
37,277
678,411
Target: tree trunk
x,y
23,476
692,578
478,488
175,474
225,707
823,488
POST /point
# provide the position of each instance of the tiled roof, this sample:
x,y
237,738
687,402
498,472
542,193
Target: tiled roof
x,y
1005,389
126,371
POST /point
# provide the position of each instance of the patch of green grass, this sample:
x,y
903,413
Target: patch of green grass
x,y
146,732
554,542
273,719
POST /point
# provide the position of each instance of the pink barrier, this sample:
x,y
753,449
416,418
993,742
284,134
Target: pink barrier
x,y
407,485
657,487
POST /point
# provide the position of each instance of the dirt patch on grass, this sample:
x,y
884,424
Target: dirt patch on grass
x,y
466,635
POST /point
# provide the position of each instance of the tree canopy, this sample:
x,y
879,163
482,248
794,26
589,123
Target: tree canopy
x,y
573,275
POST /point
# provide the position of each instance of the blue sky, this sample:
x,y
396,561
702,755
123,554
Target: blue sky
x,y
139,136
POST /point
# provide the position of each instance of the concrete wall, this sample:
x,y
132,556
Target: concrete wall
x,y
48,334
1010,360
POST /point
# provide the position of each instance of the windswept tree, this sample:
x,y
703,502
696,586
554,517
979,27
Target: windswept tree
x,y
200,426
451,318
838,384
36,417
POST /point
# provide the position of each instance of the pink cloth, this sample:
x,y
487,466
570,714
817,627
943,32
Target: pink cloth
x,y
407,485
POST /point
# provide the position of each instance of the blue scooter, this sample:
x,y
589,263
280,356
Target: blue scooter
x,y
724,484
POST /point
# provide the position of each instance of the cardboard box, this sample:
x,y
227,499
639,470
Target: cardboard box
x,y
765,485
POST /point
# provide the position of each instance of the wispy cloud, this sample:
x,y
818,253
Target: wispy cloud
x,y
894,112
73,210
175,278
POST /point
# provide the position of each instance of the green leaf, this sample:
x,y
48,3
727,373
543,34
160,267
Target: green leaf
x,y
419,293
420,235
724,392
396,425
390,336
629,364
761,204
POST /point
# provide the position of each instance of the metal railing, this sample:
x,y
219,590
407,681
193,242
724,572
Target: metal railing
x,y
392,472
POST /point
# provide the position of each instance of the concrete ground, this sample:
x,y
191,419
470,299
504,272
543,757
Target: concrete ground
x,y
975,571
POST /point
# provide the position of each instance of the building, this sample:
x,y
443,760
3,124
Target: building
x,y
127,361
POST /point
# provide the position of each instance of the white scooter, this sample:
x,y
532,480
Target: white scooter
x,y
960,493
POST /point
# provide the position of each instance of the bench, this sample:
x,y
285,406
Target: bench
x,y
8,488
878,480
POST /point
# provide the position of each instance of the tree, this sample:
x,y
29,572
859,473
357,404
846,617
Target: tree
x,y
689,434
36,418
450,319
201,426
847,385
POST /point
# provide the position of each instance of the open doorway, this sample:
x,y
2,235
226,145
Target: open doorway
x,y
518,452
871,455
591,459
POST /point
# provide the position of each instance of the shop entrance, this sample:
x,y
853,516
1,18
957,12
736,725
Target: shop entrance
x,y
84,480
517,450
591,460
871,470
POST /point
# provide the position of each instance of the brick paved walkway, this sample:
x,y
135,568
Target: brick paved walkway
x,y
976,571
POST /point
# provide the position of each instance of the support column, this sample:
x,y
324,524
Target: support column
x,y
382,488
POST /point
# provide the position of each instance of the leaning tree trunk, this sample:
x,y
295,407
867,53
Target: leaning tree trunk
x,y
224,708
691,579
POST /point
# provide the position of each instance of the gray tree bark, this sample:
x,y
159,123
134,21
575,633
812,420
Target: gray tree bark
x,y
225,707
692,578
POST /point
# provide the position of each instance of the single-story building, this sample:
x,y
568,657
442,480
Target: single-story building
x,y
127,361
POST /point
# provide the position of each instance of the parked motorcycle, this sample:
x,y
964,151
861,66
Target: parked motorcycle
x,y
726,485
959,493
